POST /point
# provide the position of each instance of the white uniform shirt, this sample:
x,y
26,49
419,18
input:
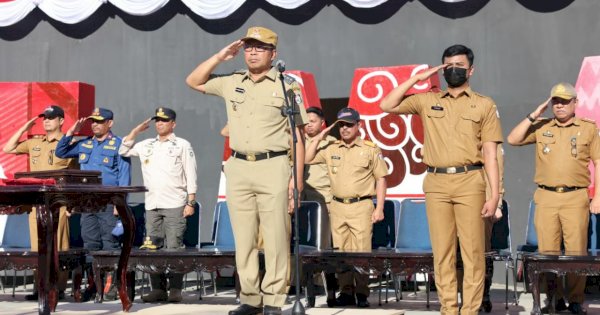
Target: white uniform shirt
x,y
168,168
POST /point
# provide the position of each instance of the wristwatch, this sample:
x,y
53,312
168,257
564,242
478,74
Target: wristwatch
x,y
191,203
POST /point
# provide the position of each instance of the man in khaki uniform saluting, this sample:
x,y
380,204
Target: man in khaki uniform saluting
x,y
259,182
41,158
458,124
317,185
357,172
565,145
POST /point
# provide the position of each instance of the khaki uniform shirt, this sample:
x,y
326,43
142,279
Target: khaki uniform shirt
x,y
354,168
41,154
455,128
563,153
256,124
316,175
168,169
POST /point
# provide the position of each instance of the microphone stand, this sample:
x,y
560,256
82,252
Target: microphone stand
x,y
289,111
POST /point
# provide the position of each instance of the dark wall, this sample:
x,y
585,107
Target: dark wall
x,y
138,63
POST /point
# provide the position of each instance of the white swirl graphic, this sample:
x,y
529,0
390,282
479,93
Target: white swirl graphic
x,y
377,86
424,86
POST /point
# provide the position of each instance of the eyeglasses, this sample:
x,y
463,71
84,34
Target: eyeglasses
x,y
346,124
258,48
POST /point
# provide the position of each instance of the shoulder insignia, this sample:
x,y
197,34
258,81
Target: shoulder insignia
x,y
370,144
240,71
288,79
38,137
588,120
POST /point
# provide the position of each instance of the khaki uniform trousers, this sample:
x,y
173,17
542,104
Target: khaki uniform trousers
x,y
62,239
257,196
454,203
563,217
352,230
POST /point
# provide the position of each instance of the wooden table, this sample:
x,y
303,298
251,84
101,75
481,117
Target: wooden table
x,y
559,263
396,261
164,260
84,197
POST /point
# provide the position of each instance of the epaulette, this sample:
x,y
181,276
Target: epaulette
x,y
38,137
591,121
240,71
370,144
288,79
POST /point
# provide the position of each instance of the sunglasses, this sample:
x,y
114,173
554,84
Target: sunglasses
x,y
258,48
346,124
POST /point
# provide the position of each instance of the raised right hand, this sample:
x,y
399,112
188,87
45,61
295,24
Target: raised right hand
x,y
230,51
76,126
541,108
429,72
323,134
29,124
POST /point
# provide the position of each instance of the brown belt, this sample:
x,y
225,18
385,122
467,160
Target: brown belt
x,y
256,157
560,189
454,169
351,200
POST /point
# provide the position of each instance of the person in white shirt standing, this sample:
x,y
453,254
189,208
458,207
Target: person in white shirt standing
x,y
169,172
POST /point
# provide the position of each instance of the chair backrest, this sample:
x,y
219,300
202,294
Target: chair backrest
x,y
530,233
413,228
308,220
223,232
501,239
384,232
16,232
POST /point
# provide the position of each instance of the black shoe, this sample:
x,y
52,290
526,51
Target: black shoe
x,y
331,303
271,310
361,301
486,305
61,295
576,308
558,307
88,294
345,300
32,297
246,309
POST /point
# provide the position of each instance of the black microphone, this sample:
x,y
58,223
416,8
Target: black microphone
x,y
280,65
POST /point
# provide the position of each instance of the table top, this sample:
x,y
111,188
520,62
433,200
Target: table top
x,y
592,255
375,254
184,252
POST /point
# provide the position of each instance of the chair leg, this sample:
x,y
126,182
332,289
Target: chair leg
x,y
14,284
514,272
399,286
2,284
380,285
427,288
387,281
214,282
506,279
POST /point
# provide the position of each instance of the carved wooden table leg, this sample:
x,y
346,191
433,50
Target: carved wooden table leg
x,y
534,283
129,232
77,279
45,241
54,265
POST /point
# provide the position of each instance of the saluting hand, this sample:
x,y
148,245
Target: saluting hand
x,y
230,51
142,127
76,126
323,134
29,124
541,109
429,72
